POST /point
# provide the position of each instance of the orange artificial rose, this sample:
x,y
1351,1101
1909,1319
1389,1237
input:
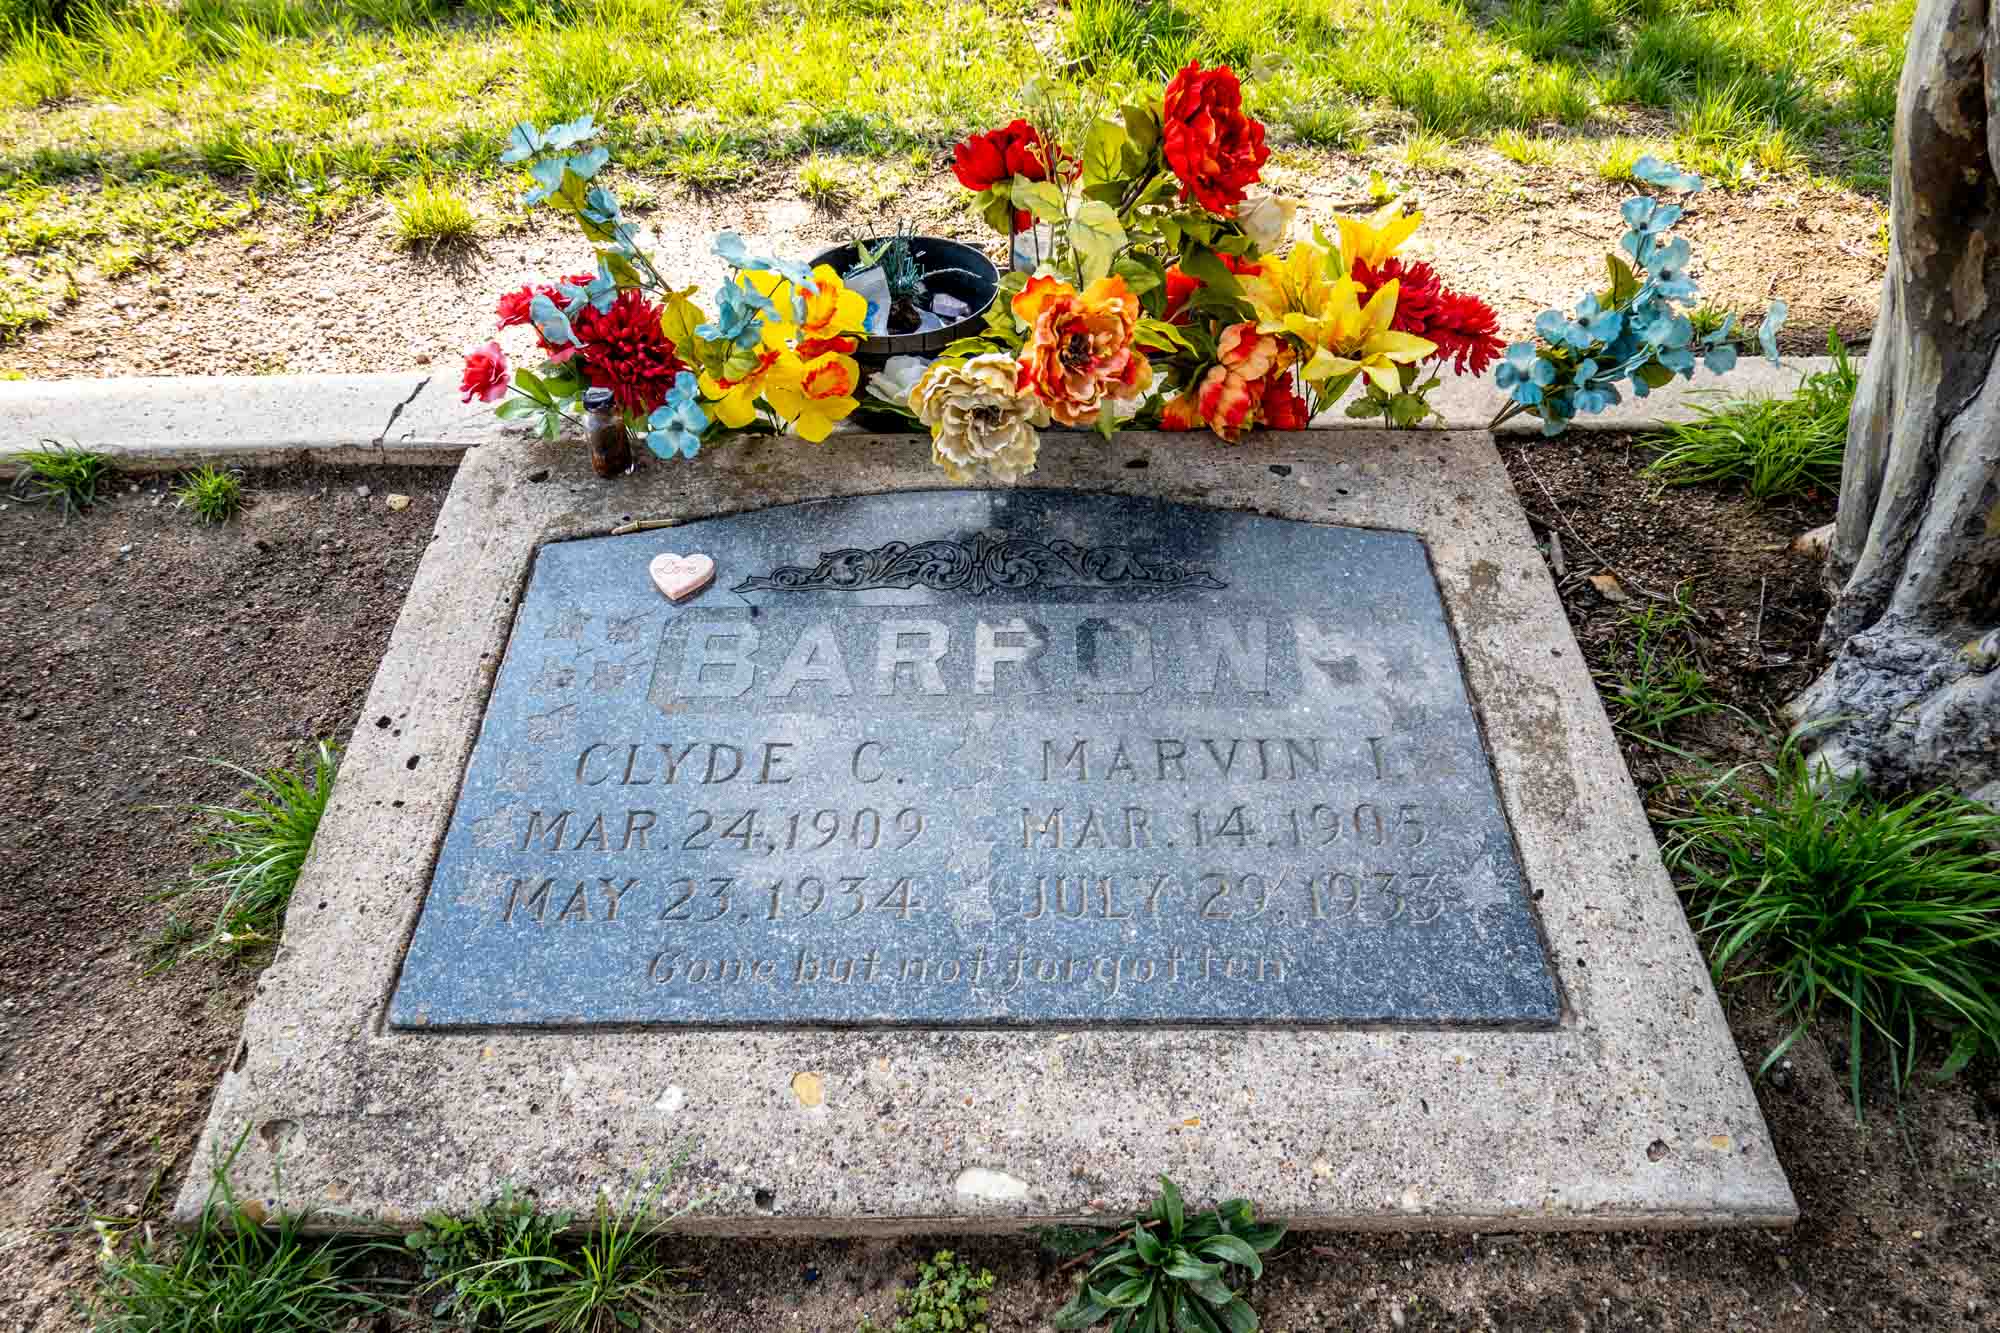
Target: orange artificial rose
x,y
1079,352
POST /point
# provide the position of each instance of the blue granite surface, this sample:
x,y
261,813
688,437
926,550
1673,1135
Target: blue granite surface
x,y
981,758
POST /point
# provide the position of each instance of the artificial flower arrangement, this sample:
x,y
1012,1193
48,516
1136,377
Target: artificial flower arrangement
x,y
1165,292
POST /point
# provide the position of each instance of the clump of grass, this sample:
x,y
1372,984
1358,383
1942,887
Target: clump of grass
x,y
430,215
610,1277
824,182
1427,150
1331,123
1616,159
1528,150
1657,680
211,493
23,304
1774,446
1886,909
232,1274
63,473
1707,317
262,844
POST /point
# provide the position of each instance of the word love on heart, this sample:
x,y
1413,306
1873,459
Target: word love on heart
x,y
680,577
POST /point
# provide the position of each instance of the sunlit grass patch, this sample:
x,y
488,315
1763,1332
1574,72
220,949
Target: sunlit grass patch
x,y
429,215
1773,447
1426,151
1529,150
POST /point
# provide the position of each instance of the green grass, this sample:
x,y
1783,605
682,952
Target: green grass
x,y
216,106
262,845
514,1267
210,493
824,182
1885,912
1427,151
429,215
1529,150
1657,680
235,1272
67,475
1773,447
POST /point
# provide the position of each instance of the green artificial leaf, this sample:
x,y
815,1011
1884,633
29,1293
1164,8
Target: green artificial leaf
x,y
1161,336
972,346
1406,410
1201,263
1042,198
1365,406
622,270
528,382
1095,234
1176,1212
1104,150
514,409
995,209
1235,1250
1653,374
1624,283
1142,127
1151,1248
679,318
1106,424
1142,273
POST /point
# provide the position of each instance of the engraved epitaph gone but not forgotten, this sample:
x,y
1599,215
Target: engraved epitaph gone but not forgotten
x,y
981,758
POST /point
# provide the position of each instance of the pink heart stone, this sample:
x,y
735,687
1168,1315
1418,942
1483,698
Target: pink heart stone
x,y
680,577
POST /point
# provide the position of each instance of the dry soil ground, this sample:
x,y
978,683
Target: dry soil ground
x,y
275,298
137,639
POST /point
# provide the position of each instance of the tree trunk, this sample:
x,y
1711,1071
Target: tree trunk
x,y
1912,697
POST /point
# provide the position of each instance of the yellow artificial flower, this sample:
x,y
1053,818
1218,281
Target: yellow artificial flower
x,y
1299,282
812,395
830,317
1375,239
1358,338
736,399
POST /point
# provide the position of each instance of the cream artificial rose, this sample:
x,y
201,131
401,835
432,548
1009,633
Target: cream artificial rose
x,y
979,421
1267,219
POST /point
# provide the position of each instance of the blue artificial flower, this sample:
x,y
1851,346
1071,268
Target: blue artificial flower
x,y
550,322
1679,360
1648,215
601,206
1665,175
548,172
1516,373
1551,325
599,293
677,424
1719,358
1723,334
1767,332
523,142
571,134
1669,270
739,311
729,248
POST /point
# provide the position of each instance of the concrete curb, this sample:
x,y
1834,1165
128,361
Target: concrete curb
x,y
160,424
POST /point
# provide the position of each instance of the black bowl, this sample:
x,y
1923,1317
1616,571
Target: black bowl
x,y
975,281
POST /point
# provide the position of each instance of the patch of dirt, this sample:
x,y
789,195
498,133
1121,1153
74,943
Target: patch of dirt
x,y
346,298
202,642
136,639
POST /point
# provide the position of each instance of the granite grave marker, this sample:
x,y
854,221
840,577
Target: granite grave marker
x,y
980,758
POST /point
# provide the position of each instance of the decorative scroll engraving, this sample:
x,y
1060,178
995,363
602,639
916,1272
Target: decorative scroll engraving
x,y
982,565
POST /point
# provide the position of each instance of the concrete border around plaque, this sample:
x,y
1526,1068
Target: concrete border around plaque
x,y
388,1069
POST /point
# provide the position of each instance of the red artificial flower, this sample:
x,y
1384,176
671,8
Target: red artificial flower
x,y
485,375
997,156
513,308
1211,145
1181,286
1282,408
1465,329
626,351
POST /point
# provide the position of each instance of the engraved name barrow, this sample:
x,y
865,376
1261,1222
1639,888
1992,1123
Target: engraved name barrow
x,y
980,758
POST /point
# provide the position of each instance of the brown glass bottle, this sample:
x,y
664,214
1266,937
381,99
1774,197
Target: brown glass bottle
x,y
610,446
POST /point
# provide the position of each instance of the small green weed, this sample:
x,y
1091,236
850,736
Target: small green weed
x,y
493,1262
1530,150
1617,157
430,215
1172,1271
62,473
1888,909
824,183
1427,151
611,1277
1657,680
233,1273
23,304
263,843
948,1298
211,493
1775,446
